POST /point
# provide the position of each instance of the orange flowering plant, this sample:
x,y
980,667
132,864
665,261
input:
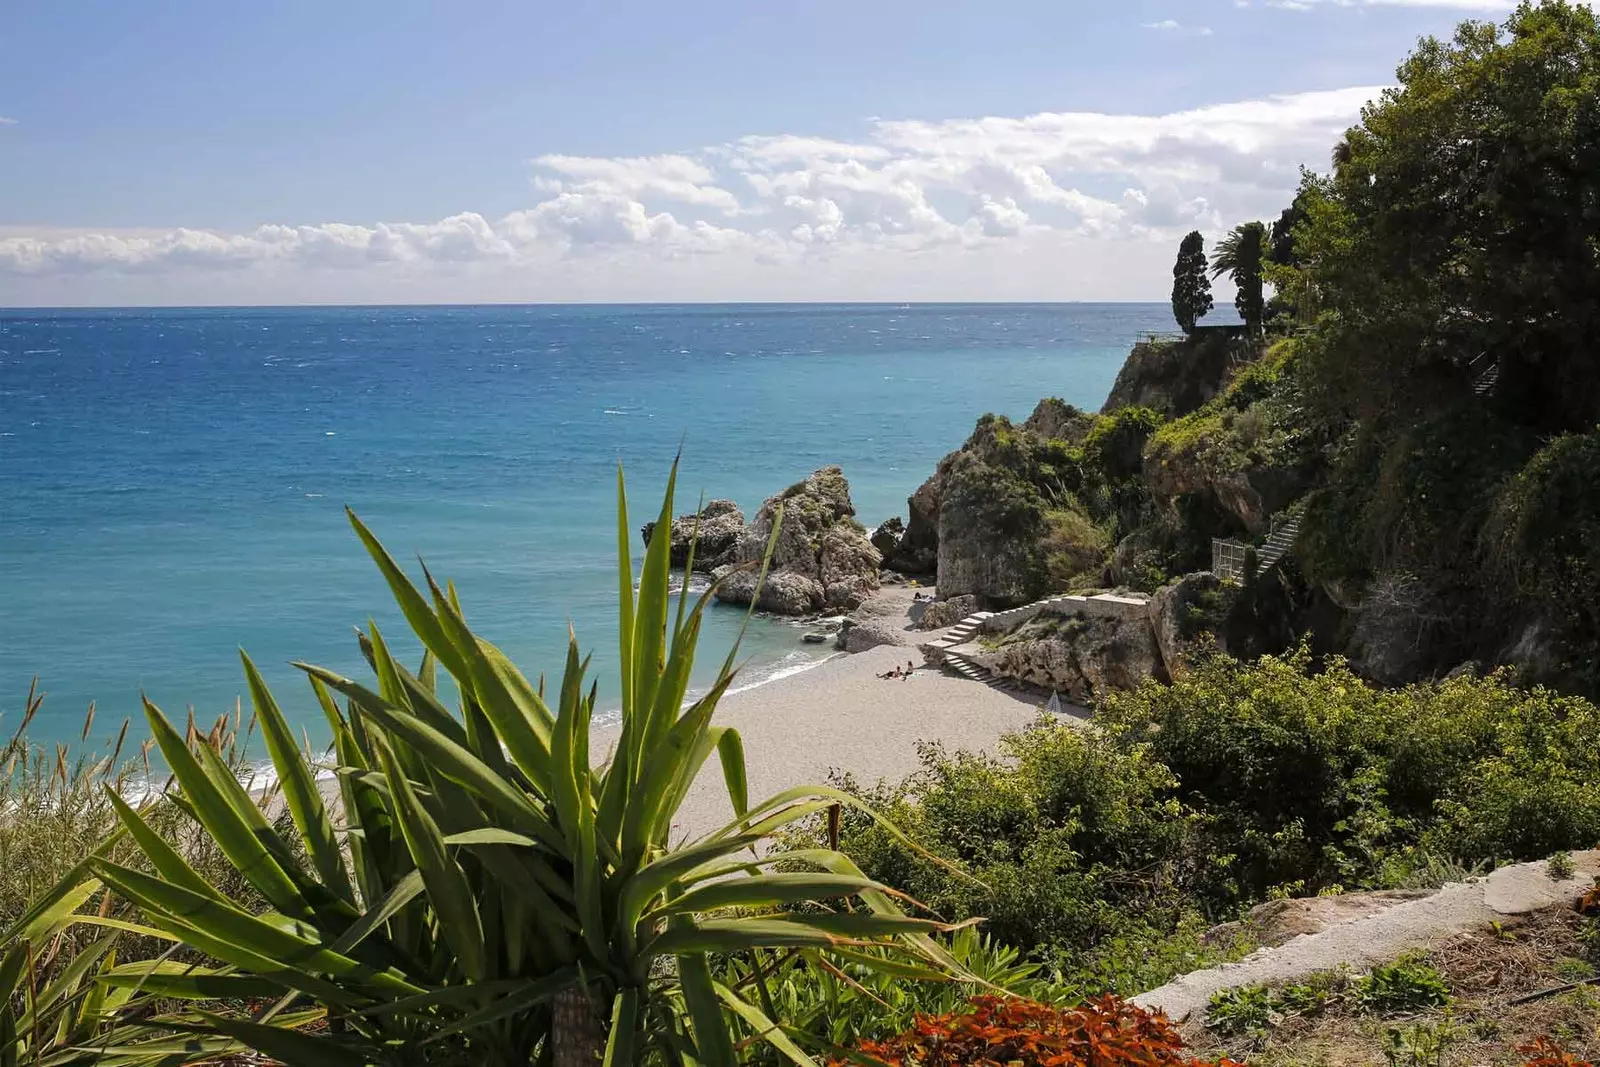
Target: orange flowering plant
x,y
1010,1032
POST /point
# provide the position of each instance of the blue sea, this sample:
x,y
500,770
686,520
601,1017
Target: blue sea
x,y
172,482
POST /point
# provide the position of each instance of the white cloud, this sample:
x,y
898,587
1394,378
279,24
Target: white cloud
x,y
914,207
1453,5
4,121
1174,26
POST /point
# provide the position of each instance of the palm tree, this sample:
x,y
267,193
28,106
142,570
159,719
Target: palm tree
x,y
1240,255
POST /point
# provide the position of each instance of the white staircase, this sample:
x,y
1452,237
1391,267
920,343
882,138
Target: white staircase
x,y
1280,543
1484,384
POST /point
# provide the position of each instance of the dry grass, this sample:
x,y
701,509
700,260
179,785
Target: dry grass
x,y
1487,970
54,810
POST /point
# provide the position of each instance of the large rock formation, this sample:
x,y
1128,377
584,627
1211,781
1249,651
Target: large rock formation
x,y
822,559
938,615
718,527
1174,378
1079,656
978,523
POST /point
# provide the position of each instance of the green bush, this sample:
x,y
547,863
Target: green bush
x,y
1317,776
1052,829
1241,1011
1408,984
1114,447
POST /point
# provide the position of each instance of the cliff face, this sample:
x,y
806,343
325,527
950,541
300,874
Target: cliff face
x,y
1175,378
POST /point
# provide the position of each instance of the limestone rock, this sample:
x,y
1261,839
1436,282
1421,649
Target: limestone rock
x,y
821,557
942,613
1174,379
887,537
783,593
992,532
858,635
719,526
1080,657
1183,612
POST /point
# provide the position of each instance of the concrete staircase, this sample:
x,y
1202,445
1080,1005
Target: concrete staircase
x,y
1484,384
960,634
1485,373
1281,541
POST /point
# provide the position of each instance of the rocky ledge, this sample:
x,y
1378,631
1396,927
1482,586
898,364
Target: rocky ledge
x,y
822,560
714,531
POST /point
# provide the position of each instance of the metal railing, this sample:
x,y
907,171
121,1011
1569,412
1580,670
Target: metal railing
x,y
1228,559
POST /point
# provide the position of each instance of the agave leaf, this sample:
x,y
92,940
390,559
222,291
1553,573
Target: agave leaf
x,y
413,605
574,803
651,880
186,983
670,762
711,1036
820,931
519,715
300,790
526,996
622,1041
449,758
289,1045
69,981
764,1027
650,629
768,890
449,893
730,750
242,939
236,837
400,894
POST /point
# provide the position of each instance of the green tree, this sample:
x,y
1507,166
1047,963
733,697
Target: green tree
x,y
1191,289
1241,256
1462,218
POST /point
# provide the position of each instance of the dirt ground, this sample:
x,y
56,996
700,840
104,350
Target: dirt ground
x,y
1487,971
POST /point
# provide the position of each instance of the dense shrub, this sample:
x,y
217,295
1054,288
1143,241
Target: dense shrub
x,y
1114,447
1105,849
1051,832
1436,484
1316,778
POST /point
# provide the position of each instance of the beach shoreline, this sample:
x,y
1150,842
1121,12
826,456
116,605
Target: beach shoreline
x,y
841,717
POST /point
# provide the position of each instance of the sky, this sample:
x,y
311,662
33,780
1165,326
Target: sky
x,y
186,152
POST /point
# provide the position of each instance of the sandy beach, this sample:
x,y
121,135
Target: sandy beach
x,y
840,716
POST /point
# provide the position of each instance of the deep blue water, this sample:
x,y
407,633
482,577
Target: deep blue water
x,y
171,481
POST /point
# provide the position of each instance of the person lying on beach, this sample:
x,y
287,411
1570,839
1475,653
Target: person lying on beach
x,y
890,674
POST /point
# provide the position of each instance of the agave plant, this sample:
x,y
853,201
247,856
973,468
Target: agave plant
x,y
479,892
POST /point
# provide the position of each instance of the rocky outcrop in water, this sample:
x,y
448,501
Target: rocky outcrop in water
x,y
822,559
718,527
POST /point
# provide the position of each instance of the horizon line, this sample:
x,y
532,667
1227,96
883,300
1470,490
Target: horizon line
x,y
7,308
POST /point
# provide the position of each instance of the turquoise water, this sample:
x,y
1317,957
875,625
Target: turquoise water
x,y
172,481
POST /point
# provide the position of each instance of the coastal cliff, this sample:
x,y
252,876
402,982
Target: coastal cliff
x,y
1391,547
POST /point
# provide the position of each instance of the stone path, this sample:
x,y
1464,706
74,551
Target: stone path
x,y
1378,938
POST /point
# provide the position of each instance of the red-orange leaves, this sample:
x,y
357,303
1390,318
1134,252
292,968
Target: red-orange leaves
x,y
1005,1032
1543,1052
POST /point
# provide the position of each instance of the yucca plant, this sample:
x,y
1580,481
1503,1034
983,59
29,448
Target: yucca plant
x,y
479,893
